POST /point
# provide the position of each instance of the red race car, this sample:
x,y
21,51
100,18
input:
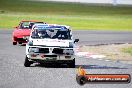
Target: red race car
x,y
22,31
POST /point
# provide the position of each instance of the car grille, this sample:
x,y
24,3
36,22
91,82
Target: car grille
x,y
20,39
50,55
57,51
43,50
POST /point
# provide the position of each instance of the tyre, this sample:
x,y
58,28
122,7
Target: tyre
x,y
20,42
72,64
27,63
14,43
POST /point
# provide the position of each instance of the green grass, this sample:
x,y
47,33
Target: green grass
x,y
78,16
128,50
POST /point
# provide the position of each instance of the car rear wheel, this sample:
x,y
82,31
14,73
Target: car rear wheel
x,y
14,43
27,63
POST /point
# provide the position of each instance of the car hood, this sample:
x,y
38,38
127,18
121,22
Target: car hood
x,y
23,32
52,42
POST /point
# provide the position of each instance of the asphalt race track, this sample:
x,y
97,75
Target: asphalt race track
x,y
102,37
14,75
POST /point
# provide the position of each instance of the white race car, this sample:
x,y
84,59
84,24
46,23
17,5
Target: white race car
x,y
50,43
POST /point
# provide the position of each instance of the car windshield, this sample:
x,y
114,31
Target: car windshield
x,y
51,33
28,25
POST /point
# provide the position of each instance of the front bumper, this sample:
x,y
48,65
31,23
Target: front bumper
x,y
51,58
22,39
54,61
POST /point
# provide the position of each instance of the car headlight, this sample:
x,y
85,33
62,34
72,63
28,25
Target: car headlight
x,y
70,44
33,50
68,51
30,43
25,37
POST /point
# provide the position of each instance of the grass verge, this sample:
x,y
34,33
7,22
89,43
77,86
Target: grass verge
x,y
78,16
127,50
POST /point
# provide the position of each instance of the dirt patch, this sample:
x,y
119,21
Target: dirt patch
x,y
112,52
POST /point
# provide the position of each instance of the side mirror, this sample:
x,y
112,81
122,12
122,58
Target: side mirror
x,y
76,40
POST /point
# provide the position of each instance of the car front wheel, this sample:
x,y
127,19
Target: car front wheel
x,y
20,42
14,43
27,63
72,64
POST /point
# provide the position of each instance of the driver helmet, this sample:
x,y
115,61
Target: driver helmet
x,y
41,33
